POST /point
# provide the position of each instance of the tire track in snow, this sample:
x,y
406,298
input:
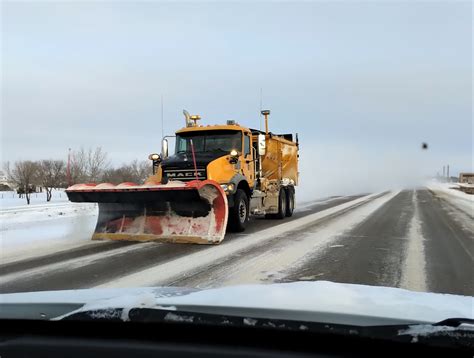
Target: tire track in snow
x,y
87,248
371,253
448,245
289,250
66,265
201,261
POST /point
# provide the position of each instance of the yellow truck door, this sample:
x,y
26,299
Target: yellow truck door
x,y
248,165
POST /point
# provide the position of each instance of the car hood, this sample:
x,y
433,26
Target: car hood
x,y
319,301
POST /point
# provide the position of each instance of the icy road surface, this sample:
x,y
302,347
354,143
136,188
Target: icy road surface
x,y
418,239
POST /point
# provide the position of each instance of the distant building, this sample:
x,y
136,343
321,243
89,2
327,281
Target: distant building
x,y
4,184
466,178
3,178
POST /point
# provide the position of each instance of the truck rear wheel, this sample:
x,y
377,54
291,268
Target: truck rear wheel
x,y
281,204
239,213
290,201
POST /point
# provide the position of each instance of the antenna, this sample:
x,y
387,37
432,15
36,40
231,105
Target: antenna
x,y
261,95
68,169
162,119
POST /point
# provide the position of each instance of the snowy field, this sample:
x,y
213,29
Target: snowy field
x,y
10,199
27,229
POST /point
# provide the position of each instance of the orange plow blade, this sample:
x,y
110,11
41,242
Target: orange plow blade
x,y
192,212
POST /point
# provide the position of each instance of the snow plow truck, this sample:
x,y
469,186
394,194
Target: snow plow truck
x,y
217,177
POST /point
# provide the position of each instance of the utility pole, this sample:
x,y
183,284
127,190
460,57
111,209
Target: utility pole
x,y
447,173
68,170
261,94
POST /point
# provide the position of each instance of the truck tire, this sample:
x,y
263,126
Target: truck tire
x,y
239,213
290,201
281,204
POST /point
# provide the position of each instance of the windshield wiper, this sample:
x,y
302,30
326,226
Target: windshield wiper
x,y
454,322
446,333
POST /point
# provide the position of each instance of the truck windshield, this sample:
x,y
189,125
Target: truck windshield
x,y
209,141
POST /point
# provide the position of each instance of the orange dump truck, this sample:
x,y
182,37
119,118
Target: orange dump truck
x,y
217,177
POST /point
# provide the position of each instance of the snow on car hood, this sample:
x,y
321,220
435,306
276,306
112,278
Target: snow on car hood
x,y
319,296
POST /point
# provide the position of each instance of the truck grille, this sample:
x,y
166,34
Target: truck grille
x,y
184,174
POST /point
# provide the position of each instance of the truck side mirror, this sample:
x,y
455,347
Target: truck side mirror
x,y
261,144
164,149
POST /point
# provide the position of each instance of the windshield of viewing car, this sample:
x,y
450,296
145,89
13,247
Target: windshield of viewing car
x,y
351,189
210,141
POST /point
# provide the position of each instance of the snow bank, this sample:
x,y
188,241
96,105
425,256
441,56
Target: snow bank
x,y
28,230
459,199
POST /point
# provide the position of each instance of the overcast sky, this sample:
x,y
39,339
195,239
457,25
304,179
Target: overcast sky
x,y
364,84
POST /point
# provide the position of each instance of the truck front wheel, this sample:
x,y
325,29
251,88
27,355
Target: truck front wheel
x,y
239,213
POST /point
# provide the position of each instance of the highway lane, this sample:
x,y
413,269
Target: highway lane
x,y
100,262
371,253
414,241
449,245
411,239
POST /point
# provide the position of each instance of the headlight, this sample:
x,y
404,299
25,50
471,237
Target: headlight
x,y
154,156
233,153
227,187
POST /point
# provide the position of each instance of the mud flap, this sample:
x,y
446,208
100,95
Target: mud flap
x,y
193,212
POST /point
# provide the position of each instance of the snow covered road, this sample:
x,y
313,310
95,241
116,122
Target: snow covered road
x,y
415,239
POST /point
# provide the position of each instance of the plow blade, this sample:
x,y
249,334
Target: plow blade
x,y
192,212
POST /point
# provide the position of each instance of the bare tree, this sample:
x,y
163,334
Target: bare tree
x,y
141,170
78,166
96,163
136,172
24,175
50,175
88,166
117,175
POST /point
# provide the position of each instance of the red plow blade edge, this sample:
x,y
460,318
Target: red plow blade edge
x,y
192,212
